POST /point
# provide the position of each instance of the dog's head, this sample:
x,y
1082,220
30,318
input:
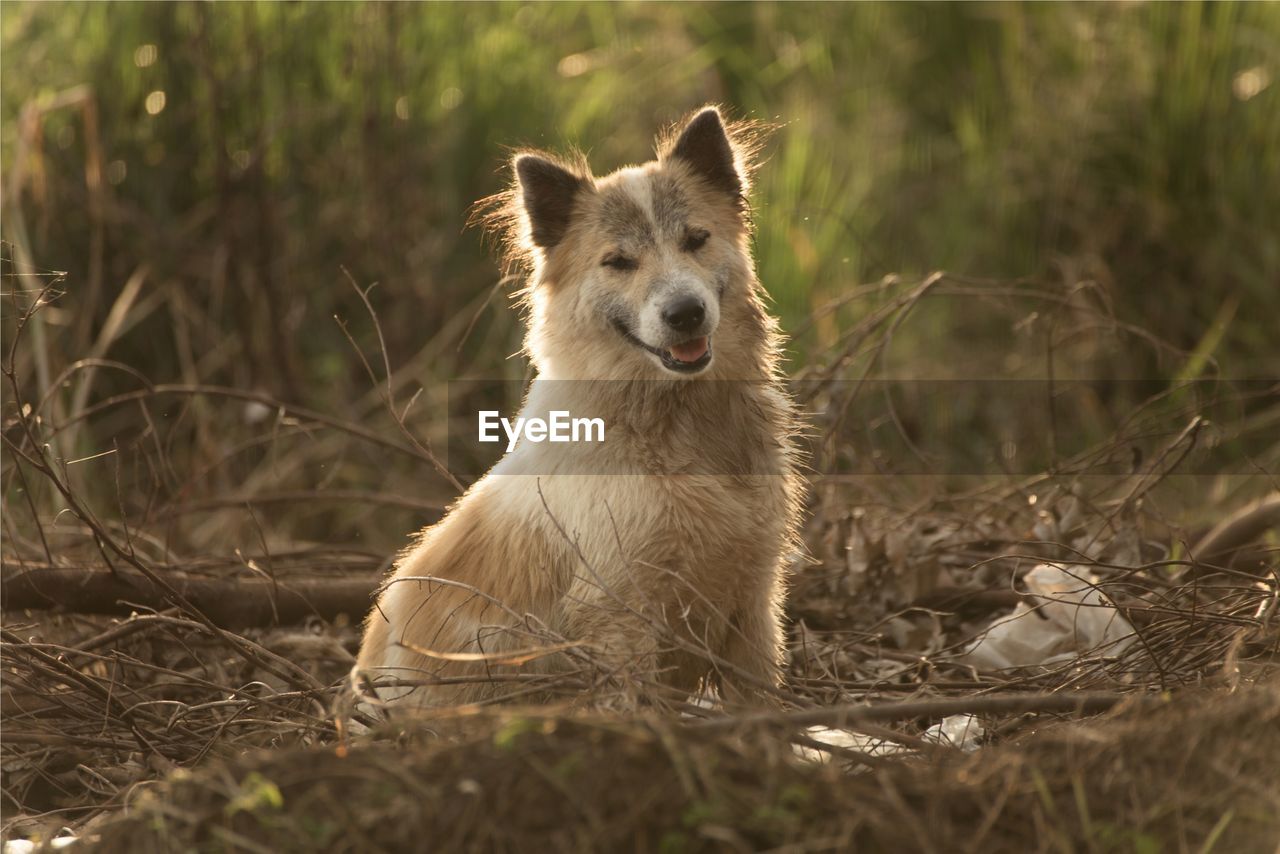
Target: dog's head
x,y
644,273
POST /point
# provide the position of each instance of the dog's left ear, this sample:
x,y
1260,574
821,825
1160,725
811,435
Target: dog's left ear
x,y
704,145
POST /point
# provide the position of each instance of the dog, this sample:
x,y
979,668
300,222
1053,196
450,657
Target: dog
x,y
656,560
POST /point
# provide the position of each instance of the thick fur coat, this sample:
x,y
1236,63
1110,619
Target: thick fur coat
x,y
652,562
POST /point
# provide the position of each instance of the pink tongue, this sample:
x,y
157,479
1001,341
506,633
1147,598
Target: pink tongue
x,y
690,351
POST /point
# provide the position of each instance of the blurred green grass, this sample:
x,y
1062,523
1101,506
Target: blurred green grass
x,y
1115,142
1124,156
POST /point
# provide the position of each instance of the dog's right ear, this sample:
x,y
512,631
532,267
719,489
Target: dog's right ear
x,y
548,192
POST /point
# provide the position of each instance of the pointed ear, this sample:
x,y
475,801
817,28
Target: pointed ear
x,y
704,145
548,191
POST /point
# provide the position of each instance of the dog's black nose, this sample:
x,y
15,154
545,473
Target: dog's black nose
x,y
684,314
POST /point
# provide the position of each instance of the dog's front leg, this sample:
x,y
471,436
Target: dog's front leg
x,y
753,652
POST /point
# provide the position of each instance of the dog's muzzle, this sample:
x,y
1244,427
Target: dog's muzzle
x,y
687,357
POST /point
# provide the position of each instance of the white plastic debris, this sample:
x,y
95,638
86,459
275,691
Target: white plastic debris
x,y
1070,616
26,846
962,731
869,744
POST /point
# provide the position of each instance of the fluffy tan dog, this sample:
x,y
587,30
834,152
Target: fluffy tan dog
x,y
658,556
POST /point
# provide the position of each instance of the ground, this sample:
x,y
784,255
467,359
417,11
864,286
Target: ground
x,y
153,733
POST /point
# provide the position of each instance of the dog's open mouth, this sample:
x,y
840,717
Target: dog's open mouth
x,y
687,357
692,351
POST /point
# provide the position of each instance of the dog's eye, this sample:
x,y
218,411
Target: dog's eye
x,y
695,239
619,262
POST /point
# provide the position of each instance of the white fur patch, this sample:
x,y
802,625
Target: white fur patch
x,y
639,186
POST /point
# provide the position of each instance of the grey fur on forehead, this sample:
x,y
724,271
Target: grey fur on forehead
x,y
623,217
670,208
